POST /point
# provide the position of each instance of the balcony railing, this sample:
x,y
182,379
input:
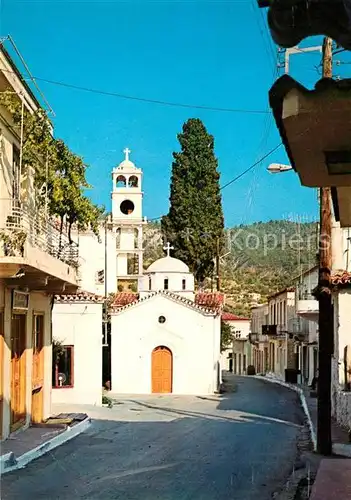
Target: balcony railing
x,y
21,224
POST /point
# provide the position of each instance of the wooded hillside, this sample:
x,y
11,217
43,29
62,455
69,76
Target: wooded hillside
x,y
259,259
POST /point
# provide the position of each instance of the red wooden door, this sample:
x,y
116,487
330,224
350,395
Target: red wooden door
x,y
161,370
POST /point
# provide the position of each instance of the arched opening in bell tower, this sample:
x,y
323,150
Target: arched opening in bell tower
x,y
121,181
133,181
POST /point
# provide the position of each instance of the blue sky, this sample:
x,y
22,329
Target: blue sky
x,y
211,53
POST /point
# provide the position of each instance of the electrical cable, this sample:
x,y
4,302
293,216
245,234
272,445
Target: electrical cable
x,y
144,99
240,175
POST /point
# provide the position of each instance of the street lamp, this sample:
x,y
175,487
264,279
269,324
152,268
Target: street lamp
x,y
276,168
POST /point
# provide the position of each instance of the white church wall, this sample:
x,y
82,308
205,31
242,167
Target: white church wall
x,y
80,326
193,339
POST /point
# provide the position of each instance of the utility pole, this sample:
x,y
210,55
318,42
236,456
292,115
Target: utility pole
x,y
326,332
217,265
105,286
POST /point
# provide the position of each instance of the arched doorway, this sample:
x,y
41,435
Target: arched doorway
x,y
161,370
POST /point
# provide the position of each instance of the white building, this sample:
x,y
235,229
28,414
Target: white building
x,y
128,221
164,342
260,342
118,251
32,269
240,328
341,360
77,371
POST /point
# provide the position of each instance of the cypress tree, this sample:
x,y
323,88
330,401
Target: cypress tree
x,y
195,223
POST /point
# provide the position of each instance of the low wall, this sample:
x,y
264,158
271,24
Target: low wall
x,y
342,408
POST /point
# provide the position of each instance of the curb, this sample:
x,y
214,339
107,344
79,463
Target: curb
x,y
9,462
343,450
302,400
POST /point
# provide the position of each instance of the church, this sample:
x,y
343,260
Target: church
x,y
162,337
162,341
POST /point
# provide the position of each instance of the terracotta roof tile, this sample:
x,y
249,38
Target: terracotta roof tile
x,y
80,297
341,278
208,311
227,316
124,298
213,300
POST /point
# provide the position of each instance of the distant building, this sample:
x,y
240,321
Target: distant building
x,y
236,358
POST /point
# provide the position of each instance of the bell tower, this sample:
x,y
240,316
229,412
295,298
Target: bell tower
x,y
127,221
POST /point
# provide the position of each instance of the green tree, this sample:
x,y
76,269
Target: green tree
x,y
226,335
59,174
195,224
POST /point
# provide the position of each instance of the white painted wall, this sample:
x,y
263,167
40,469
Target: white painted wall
x,y
80,325
242,326
193,338
175,281
92,260
341,400
225,358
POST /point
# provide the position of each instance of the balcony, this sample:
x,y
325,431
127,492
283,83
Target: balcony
x,y
307,307
34,254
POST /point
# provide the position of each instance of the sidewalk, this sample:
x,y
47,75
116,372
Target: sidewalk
x,y
24,446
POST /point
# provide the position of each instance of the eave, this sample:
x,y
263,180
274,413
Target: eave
x,y
311,124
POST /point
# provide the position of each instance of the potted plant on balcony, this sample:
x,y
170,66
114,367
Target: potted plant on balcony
x,y
13,243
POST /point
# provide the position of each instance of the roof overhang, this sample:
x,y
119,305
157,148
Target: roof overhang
x,y
291,21
315,126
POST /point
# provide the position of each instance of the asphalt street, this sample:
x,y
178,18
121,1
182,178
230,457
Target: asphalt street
x,y
238,446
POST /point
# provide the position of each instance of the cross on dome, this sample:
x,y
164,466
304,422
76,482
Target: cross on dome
x,y
168,248
126,151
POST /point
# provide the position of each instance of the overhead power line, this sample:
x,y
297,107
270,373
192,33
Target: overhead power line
x,y
242,173
144,99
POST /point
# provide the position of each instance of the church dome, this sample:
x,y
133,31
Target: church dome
x,y
126,164
168,265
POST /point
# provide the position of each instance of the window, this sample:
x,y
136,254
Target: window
x,y
38,333
150,283
165,284
183,284
63,366
127,207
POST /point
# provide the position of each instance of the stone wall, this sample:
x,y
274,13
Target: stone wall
x,y
342,408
